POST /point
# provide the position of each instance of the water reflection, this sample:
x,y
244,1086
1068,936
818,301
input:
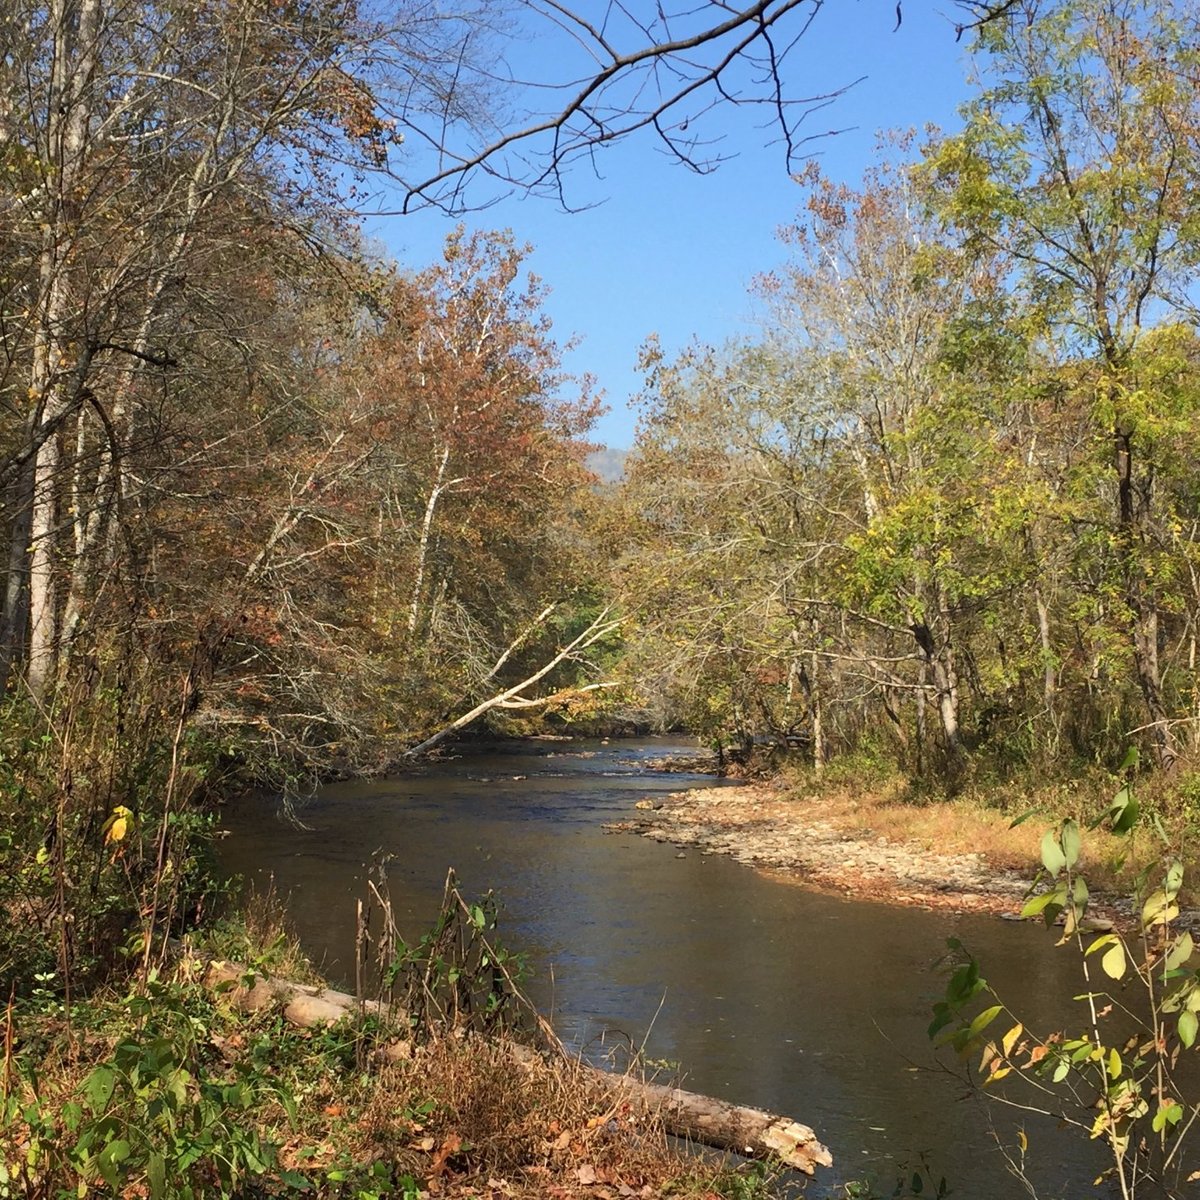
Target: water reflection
x,y
764,993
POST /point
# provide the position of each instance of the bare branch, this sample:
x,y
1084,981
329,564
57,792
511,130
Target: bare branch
x,y
665,83
599,629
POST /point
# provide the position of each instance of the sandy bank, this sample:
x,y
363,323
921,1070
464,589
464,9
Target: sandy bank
x,y
828,843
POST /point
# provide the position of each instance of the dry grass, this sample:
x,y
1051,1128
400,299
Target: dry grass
x,y
978,821
258,931
533,1128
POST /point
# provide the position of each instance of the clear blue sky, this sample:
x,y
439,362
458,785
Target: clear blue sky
x,y
672,252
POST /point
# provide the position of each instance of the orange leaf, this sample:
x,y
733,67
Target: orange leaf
x,y
452,1145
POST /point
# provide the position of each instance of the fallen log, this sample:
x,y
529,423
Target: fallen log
x,y
736,1127
704,1119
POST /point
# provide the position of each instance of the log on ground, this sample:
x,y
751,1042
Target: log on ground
x,y
704,1119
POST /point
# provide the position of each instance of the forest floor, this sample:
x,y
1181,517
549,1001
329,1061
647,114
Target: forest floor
x,y
874,843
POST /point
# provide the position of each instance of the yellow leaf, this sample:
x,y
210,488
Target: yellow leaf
x,y
1010,1038
1114,1065
119,822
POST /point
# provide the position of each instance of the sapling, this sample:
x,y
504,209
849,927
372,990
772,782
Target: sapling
x,y
1118,1077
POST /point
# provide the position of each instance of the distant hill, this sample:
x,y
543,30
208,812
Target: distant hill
x,y
608,463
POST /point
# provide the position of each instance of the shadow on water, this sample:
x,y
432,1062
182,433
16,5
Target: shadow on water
x,y
763,993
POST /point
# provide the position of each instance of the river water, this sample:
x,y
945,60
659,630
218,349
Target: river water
x,y
762,992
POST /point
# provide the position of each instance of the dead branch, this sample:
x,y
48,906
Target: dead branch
x,y
599,629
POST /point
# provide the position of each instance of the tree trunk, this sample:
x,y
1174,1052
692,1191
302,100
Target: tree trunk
x,y
15,627
920,718
435,492
1133,514
76,28
1049,672
939,658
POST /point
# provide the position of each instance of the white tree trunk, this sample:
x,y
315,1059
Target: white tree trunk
x,y
76,27
435,494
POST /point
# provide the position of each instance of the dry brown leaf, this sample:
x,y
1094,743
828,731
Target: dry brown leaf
x,y
586,1174
452,1145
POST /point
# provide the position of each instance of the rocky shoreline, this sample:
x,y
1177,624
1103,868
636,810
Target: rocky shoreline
x,y
795,839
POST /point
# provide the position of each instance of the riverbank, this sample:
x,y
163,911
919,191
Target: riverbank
x,y
868,843
190,1083
752,990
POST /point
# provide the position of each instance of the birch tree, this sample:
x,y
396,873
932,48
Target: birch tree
x,y
151,138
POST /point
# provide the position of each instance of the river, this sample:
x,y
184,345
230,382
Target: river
x,y
762,992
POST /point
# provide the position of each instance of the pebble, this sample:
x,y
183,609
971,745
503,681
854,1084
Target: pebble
x,y
732,821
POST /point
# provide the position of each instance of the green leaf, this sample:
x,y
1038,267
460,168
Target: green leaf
x,y
1181,950
156,1175
1113,962
98,1088
1105,939
1025,816
1035,904
1072,844
1053,858
964,983
1133,757
984,1019
109,1159
1123,812
1159,910
1188,1024
1174,880
288,1101
942,1017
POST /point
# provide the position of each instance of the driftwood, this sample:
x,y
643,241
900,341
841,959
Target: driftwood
x,y
703,1119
